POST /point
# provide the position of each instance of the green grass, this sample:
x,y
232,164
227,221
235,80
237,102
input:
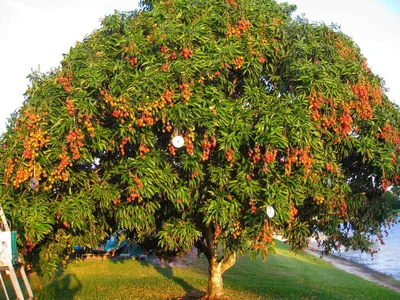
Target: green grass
x,y
284,276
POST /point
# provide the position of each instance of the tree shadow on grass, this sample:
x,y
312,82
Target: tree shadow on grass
x,y
64,287
164,269
190,291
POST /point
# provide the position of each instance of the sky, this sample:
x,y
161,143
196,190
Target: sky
x,y
35,33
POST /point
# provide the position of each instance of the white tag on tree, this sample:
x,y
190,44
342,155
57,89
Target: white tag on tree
x,y
178,141
270,211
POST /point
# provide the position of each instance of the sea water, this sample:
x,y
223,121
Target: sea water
x,y
386,261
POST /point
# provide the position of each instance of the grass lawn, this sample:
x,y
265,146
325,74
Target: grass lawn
x,y
284,276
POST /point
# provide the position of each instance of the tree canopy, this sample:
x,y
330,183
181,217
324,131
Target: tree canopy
x,y
275,112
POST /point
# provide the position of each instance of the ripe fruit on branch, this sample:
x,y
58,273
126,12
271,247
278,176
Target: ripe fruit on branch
x,y
143,150
237,30
75,140
229,155
125,140
186,52
70,107
185,92
189,145
66,83
207,146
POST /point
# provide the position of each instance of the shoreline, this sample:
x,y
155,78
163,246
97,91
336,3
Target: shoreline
x,y
357,269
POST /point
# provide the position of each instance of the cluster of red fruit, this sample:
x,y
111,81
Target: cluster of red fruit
x,y
338,205
253,207
9,170
186,52
343,209
66,83
127,48
238,230
331,168
27,172
335,116
33,142
185,92
346,52
22,175
124,141
299,156
143,150
146,117
315,102
171,149
319,199
137,181
189,138
116,201
255,155
75,140
167,126
70,107
261,58
132,61
230,157
217,232
237,62
264,238
88,123
189,145
232,2
345,120
385,184
34,138
238,29
270,156
133,193
166,97
396,179
168,54
292,213
28,246
389,134
61,173
120,105
366,96
207,145
328,119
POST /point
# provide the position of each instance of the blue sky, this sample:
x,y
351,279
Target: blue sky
x,y
37,33
392,5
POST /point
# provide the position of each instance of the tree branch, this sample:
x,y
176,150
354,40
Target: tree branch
x,y
228,262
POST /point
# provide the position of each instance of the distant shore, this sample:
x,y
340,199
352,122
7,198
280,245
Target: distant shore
x,y
357,269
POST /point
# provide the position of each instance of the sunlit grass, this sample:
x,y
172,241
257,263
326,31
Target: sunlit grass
x,y
283,276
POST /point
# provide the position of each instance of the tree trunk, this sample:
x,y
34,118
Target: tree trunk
x,y
215,289
216,266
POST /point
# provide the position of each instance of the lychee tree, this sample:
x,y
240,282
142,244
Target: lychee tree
x,y
276,115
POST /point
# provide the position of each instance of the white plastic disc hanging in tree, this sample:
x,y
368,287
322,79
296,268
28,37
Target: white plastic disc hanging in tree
x,y
34,183
270,211
178,141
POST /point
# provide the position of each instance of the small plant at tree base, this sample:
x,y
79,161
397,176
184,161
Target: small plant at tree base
x,y
273,112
